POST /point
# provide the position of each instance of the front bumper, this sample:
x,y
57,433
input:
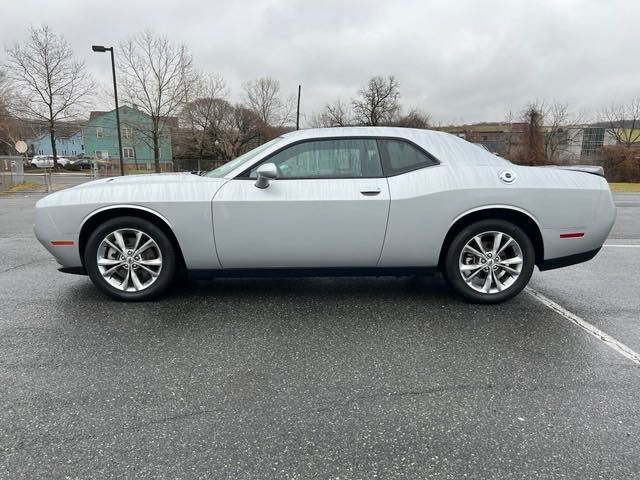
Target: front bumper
x,y
46,232
73,270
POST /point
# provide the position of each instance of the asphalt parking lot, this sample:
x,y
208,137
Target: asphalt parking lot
x,y
317,378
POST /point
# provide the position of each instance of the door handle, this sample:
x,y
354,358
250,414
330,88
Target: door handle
x,y
370,193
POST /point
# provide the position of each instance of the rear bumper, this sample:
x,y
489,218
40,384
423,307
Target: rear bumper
x,y
562,248
568,260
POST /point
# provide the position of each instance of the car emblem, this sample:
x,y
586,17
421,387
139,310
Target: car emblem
x,y
507,176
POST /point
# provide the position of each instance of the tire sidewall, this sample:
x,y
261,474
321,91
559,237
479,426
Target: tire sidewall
x,y
166,248
454,277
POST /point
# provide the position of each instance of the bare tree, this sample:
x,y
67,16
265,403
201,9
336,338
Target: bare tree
x,y
264,97
530,151
334,114
4,88
623,122
12,128
414,119
203,114
562,130
156,76
6,121
8,124
50,85
510,136
240,128
377,103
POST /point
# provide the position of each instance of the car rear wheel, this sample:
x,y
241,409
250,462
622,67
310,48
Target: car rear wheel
x,y
130,258
489,261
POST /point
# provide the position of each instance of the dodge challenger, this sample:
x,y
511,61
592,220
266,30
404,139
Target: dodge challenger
x,y
334,201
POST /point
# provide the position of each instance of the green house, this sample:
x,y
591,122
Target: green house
x,y
101,139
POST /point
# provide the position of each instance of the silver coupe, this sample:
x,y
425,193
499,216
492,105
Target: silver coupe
x,y
335,201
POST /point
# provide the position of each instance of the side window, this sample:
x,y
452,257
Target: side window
x,y
403,157
343,158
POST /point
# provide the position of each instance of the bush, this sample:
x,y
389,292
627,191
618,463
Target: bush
x,y
620,163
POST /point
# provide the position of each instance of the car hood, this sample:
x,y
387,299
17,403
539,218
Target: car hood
x,y
138,188
149,179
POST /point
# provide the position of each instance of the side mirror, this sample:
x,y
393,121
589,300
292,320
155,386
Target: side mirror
x,y
266,172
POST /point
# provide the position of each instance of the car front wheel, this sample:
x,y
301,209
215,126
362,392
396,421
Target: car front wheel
x,y
130,259
489,261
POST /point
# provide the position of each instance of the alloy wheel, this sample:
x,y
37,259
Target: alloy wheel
x,y
490,262
129,260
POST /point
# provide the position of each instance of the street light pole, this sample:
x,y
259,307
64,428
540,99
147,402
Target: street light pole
x,y
100,48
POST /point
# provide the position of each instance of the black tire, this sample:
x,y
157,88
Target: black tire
x,y
455,278
163,279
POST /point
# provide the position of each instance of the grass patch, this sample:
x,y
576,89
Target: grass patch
x,y
25,187
625,187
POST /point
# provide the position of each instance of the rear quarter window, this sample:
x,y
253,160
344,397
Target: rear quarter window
x,y
403,157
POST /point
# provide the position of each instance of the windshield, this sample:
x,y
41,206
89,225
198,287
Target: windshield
x,y
236,162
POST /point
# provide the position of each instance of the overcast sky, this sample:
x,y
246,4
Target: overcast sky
x,y
459,60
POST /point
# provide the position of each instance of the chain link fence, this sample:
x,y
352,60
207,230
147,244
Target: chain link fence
x,y
18,174
196,164
11,172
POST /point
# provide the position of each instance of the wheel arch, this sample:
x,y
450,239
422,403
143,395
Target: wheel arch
x,y
517,216
97,217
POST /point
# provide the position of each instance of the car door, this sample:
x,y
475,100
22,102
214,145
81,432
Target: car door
x,y
418,218
327,208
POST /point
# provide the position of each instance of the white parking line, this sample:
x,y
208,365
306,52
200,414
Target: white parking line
x,y
608,340
621,246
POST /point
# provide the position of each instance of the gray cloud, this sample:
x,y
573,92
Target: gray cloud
x,y
462,61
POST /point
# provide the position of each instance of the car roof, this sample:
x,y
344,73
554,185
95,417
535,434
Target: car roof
x,y
356,132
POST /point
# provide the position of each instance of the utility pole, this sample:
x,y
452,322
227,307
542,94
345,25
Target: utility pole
x,y
298,109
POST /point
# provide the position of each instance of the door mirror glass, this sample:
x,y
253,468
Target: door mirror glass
x,y
266,172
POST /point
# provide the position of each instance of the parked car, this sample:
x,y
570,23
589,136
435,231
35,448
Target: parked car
x,y
86,163
334,201
46,161
83,163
